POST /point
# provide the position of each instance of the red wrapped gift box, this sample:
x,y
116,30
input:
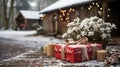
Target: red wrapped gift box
x,y
76,53
95,47
58,50
73,53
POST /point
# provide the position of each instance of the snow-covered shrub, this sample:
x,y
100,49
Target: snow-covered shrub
x,y
73,29
94,28
38,28
35,25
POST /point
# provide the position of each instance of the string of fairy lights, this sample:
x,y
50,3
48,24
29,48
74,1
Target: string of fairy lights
x,y
64,13
100,9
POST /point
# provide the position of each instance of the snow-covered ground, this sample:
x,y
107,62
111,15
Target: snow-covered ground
x,y
23,36
13,43
12,32
33,58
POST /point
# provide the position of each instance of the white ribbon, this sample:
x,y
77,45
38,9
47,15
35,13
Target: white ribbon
x,y
63,52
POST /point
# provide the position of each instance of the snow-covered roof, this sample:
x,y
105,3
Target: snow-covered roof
x,y
31,14
62,4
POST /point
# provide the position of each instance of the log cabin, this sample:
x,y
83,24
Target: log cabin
x,y
57,15
25,19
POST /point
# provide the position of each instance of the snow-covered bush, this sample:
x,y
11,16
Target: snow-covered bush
x,y
38,28
73,29
94,28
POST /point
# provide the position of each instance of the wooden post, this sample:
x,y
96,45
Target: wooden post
x,y
25,20
105,10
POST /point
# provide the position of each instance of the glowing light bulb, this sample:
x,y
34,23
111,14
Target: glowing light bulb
x,y
99,12
108,15
63,14
108,9
88,8
61,18
41,18
73,10
97,4
101,8
60,15
66,18
64,10
70,8
93,3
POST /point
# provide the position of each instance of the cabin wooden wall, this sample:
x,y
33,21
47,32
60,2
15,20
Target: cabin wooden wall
x,y
63,27
55,23
48,23
52,25
82,12
19,19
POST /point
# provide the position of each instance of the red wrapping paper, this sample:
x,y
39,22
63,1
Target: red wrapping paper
x,y
58,55
73,54
58,51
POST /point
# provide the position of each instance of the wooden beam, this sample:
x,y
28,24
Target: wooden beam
x,y
105,10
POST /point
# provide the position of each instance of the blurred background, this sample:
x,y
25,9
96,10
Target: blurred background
x,y
10,8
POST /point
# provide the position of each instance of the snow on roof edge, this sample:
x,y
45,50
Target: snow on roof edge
x,y
31,14
63,4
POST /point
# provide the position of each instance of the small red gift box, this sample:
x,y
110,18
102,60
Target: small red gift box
x,y
73,53
58,50
95,47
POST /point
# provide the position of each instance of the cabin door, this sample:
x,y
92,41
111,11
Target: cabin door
x,y
55,26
